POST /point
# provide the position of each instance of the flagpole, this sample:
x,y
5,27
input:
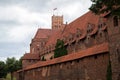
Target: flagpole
x,y
54,10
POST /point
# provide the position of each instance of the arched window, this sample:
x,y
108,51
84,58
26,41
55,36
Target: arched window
x,y
90,28
115,21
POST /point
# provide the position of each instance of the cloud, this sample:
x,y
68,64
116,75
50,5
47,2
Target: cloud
x,y
11,49
20,34
18,23
20,15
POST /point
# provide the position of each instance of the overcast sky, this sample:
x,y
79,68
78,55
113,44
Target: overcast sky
x,y
20,19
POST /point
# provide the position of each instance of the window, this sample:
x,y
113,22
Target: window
x,y
118,54
77,60
101,34
87,39
115,21
94,36
90,28
78,33
95,56
70,37
100,26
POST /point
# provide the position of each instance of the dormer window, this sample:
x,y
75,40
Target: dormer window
x,y
90,28
115,21
78,34
102,23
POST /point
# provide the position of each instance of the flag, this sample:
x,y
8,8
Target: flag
x,y
55,9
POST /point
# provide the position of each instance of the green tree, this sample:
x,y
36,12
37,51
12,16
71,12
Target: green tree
x,y
105,6
60,49
3,71
13,65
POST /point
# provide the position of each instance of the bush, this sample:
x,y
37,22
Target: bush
x,y
60,49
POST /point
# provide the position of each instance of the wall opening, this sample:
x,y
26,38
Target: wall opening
x,y
115,21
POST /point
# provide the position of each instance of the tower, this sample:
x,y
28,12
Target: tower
x,y
57,22
113,23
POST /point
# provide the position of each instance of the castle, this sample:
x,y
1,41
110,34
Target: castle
x,y
92,42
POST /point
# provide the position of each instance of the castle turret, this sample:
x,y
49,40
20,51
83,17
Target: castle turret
x,y
57,22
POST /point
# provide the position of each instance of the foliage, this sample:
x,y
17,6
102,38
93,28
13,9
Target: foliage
x,y
3,71
104,6
60,49
9,66
12,64
109,72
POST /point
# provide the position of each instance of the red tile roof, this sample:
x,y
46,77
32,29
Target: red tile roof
x,y
98,49
43,33
52,40
30,56
80,23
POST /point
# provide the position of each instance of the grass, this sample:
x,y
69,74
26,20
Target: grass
x,y
8,77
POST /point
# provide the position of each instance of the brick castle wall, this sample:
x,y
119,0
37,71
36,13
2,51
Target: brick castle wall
x,y
88,68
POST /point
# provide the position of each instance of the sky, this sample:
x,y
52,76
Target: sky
x,y
20,19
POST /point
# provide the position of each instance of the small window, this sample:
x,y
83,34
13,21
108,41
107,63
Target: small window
x,y
115,21
95,56
118,54
90,28
87,39
94,36
77,60
101,35
78,33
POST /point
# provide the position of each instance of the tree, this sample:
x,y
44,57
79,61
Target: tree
x,y
13,65
3,71
105,6
9,66
60,49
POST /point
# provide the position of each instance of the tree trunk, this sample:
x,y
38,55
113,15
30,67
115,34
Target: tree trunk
x,y
11,75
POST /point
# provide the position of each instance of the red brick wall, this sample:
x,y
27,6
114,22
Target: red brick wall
x,y
114,46
88,68
26,63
